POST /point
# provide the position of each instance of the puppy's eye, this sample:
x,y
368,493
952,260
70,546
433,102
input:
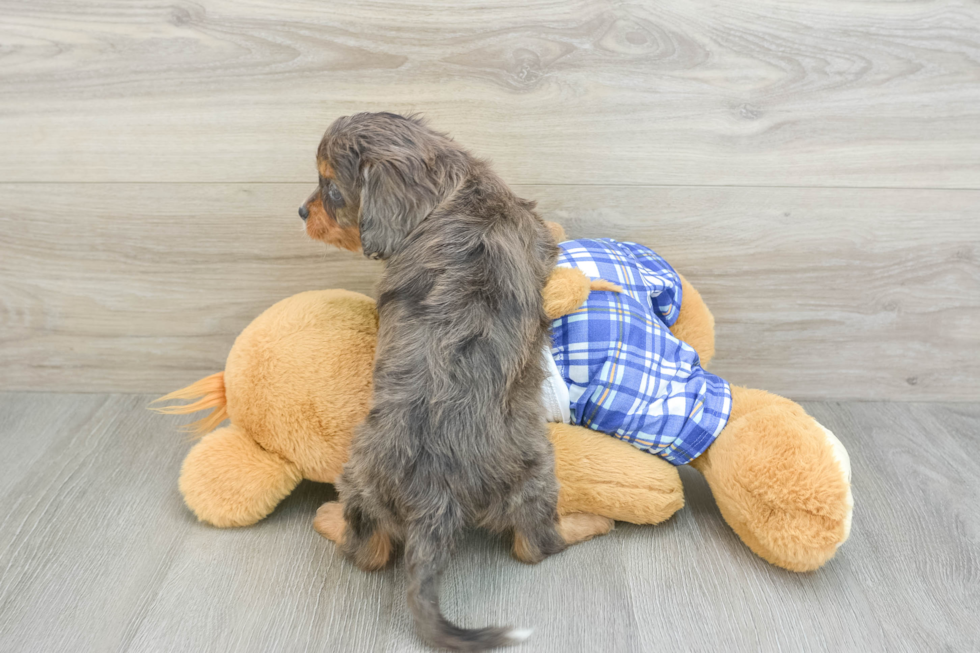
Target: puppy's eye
x,y
334,194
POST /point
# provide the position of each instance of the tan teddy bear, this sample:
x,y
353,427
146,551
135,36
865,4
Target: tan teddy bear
x,y
298,380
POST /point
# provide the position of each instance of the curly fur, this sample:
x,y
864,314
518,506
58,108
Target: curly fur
x,y
456,434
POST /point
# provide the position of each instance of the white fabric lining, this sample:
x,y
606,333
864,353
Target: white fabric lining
x,y
554,392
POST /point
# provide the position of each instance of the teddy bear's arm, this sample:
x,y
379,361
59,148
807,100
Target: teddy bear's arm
x,y
566,290
695,325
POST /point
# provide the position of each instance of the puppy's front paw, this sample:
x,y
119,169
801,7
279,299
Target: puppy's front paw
x,y
329,521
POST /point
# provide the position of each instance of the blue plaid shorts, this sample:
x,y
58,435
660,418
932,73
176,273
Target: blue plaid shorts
x,y
627,375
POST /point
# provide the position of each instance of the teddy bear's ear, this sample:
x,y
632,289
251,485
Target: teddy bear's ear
x,y
557,231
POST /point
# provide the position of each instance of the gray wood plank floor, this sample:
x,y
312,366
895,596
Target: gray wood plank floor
x,y
98,553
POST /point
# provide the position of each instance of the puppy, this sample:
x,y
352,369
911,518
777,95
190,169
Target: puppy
x,y
456,433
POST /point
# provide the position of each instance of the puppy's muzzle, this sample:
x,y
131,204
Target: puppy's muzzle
x,y
304,212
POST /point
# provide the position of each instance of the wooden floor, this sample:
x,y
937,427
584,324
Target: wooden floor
x,y
98,553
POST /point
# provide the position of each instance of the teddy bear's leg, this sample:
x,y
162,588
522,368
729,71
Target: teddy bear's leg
x,y
329,521
695,324
578,527
781,481
600,475
229,480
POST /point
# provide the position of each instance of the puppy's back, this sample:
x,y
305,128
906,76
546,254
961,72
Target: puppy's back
x,y
456,432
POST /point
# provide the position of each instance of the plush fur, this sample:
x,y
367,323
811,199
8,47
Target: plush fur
x,y
695,325
785,497
290,420
298,381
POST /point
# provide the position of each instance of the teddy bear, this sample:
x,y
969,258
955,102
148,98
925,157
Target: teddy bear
x,y
298,380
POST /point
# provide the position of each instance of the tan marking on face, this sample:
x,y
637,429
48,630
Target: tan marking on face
x,y
320,226
324,169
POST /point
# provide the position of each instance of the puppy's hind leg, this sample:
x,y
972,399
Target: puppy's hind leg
x,y
539,532
360,536
533,517
533,544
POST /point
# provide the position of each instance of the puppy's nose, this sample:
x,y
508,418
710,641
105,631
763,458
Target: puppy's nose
x,y
304,212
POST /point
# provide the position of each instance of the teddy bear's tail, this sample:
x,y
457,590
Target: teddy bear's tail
x,y
210,393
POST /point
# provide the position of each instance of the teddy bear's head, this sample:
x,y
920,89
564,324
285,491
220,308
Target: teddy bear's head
x,y
298,378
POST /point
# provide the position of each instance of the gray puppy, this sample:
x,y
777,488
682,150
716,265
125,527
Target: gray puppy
x,y
456,433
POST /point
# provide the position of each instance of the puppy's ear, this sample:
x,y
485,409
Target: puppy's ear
x,y
393,202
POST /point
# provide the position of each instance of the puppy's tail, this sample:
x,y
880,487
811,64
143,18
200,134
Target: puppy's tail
x,y
210,393
426,555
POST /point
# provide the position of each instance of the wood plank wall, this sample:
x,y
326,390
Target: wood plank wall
x,y
813,167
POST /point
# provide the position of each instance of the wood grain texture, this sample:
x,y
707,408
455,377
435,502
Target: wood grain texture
x,y
753,93
97,553
818,293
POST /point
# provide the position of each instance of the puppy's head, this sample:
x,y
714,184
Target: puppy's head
x,y
380,176
327,215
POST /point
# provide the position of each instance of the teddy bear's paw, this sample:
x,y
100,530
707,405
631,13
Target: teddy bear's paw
x,y
603,285
566,290
844,462
329,521
781,481
581,526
